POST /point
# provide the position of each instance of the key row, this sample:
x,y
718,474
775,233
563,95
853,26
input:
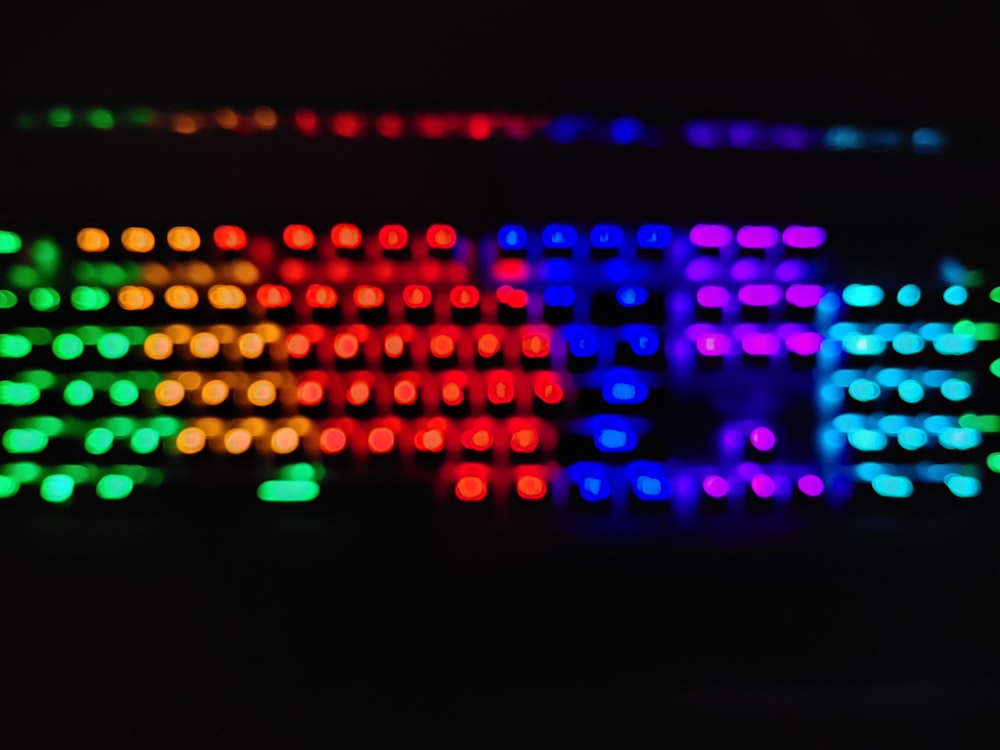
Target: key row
x,y
407,394
229,237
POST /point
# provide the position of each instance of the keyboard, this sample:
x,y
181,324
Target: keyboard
x,y
637,368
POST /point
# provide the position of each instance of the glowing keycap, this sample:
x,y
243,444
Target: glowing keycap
x,y
345,236
237,441
226,297
548,390
332,440
907,342
713,344
441,237
762,486
261,393
44,299
477,439
429,440
309,393
381,440
169,393
470,489
181,297
15,346
863,389
757,237
57,488
863,295
144,440
78,393
135,298
273,296
287,491
191,440
512,237
284,440
488,345
530,487
358,393
394,346
297,345
613,440
803,237
92,240
392,237
98,441
762,438
606,236
183,239
452,394
888,485
299,237
500,387
204,345
464,297
368,297
908,295
416,296
912,438
524,441
759,295
250,345
710,235
559,236
536,345
810,485
114,486
138,240
515,298
405,392
867,440
228,237
715,486
123,393
954,389
24,441
631,296
214,392
653,236
910,391
87,298
442,346
346,346
321,296
712,296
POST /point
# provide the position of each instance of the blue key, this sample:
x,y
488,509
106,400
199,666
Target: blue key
x,y
582,341
512,237
624,387
654,236
559,236
649,481
642,339
606,236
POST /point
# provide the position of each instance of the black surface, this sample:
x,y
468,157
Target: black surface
x,y
160,628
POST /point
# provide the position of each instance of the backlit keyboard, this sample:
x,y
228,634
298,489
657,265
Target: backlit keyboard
x,y
563,365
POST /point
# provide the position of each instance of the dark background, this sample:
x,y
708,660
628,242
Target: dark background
x,y
150,627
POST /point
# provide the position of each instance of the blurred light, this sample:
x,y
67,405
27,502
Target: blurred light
x,y
138,240
183,239
92,240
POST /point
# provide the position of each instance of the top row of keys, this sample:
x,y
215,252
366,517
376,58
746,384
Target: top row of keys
x,y
660,236
295,237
